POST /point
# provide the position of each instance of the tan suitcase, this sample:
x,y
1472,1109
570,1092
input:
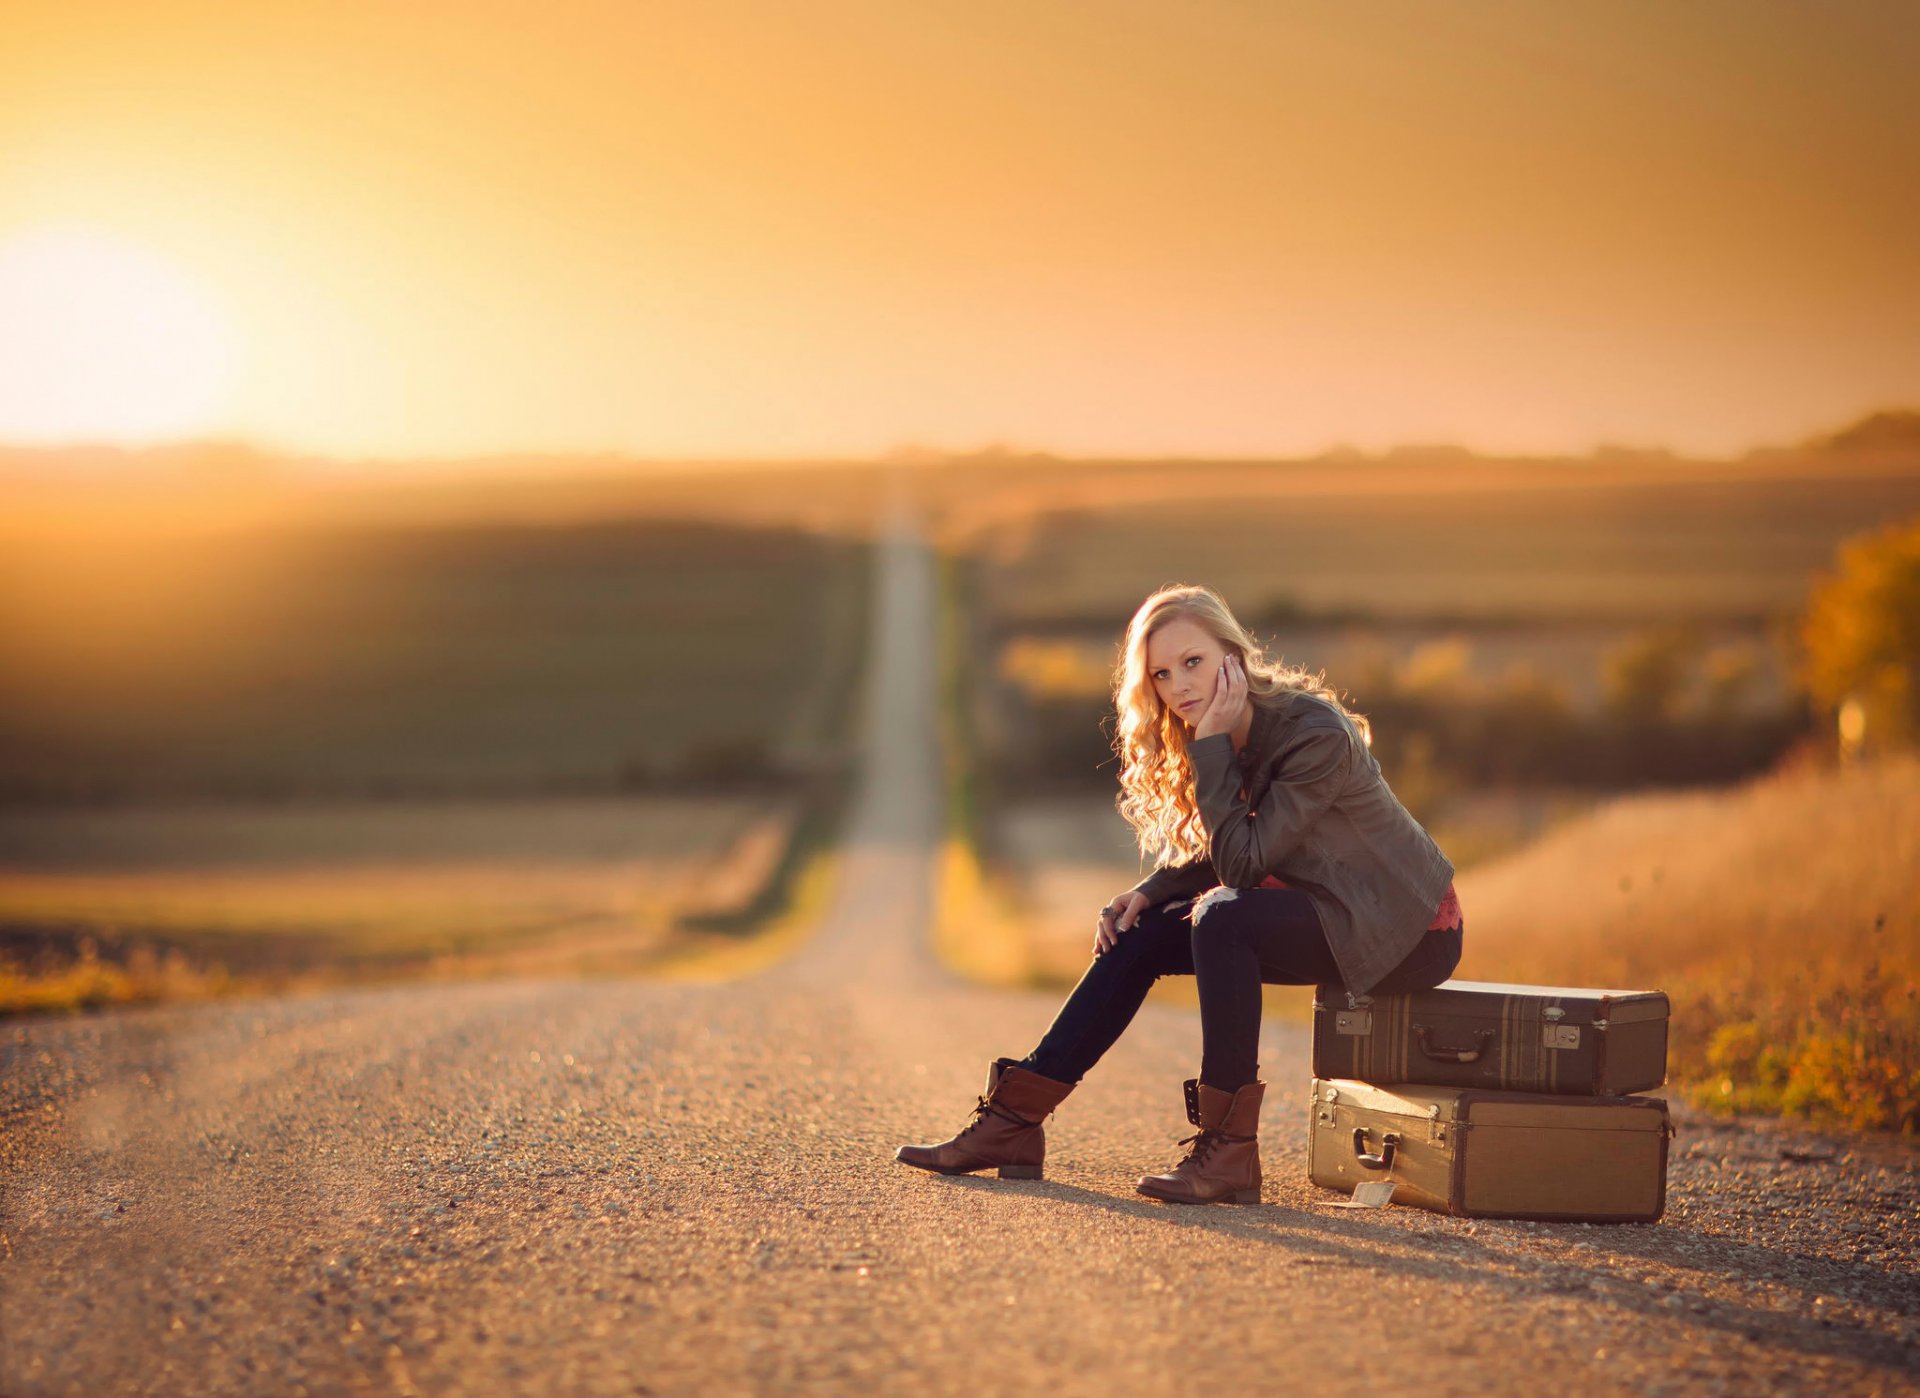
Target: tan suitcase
x,y
1486,1154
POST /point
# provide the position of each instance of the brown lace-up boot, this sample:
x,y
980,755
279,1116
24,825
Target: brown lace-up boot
x,y
1005,1133
1224,1164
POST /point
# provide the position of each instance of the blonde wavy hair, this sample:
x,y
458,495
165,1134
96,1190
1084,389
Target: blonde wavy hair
x,y
1156,774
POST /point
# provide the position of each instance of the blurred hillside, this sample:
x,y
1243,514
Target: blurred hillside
x,y
401,659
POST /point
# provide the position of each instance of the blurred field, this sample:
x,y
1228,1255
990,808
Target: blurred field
x,y
1482,570
1783,917
151,902
483,660
261,731
1592,546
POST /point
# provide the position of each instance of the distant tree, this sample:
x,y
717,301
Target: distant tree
x,y
1732,674
1646,678
1897,429
1861,639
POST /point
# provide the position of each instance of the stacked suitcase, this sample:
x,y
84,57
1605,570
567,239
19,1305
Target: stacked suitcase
x,y
1488,1100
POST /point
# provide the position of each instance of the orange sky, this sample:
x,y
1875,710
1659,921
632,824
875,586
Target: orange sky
x,y
718,227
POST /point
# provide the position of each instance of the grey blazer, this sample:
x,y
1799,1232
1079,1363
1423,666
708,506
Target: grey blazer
x,y
1318,815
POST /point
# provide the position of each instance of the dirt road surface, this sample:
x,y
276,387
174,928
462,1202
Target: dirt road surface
x,y
568,1187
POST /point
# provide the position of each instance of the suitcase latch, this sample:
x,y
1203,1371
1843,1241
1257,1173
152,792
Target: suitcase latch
x,y
1353,1021
1560,1036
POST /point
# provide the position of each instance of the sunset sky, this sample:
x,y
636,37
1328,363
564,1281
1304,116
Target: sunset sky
x,y
726,227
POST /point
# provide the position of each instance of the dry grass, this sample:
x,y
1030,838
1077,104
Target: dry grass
x,y
1808,873
1783,918
979,931
711,958
89,983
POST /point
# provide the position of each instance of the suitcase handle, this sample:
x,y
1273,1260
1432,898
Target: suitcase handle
x,y
1422,1035
1389,1143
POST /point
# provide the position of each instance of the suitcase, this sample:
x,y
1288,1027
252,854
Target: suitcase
x,y
1519,1038
1494,1154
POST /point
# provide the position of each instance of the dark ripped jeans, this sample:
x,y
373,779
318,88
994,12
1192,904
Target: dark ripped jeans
x,y
1230,941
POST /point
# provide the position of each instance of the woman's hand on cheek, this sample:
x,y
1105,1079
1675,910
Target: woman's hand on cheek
x,y
1229,700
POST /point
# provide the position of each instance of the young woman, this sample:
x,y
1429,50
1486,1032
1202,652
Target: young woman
x,y
1282,857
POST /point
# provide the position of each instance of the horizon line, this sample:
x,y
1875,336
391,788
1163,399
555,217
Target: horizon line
x,y
909,455
1900,424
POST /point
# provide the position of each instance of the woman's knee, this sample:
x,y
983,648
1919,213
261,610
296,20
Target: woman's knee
x,y
1213,920
1209,905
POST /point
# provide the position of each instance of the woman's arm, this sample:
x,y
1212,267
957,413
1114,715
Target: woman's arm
x,y
1307,778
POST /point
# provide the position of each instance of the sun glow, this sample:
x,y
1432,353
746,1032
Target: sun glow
x,y
100,340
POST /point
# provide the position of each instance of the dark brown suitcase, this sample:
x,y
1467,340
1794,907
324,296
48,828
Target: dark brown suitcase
x,y
1494,1154
1486,1034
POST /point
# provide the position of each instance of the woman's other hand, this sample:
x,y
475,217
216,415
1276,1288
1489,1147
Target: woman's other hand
x,y
1115,918
1229,700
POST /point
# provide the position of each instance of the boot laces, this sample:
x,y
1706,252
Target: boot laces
x,y
1202,1143
985,1107
980,1109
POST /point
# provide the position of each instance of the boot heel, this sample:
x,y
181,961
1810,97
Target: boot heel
x,y
1020,1172
1243,1196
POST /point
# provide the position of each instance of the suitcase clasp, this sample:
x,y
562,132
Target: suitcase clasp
x,y
1353,1021
1560,1036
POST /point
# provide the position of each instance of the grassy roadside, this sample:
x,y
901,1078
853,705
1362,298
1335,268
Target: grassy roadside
x,y
805,898
1782,918
91,983
173,938
977,929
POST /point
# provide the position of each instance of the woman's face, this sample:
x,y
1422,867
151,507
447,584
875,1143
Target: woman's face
x,y
1183,663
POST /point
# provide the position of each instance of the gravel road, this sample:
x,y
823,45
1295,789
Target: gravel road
x,y
572,1187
